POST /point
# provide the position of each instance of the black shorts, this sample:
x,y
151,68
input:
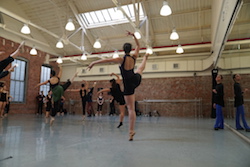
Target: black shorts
x,y
131,83
120,100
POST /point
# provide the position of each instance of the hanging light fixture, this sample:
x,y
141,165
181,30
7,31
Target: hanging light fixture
x,y
83,57
97,44
70,25
33,51
174,35
179,49
165,10
59,44
149,50
115,55
59,60
25,29
137,34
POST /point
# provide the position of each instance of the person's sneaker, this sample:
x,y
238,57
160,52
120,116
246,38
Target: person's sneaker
x,y
240,129
216,128
247,130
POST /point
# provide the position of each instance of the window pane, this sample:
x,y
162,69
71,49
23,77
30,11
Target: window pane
x,y
88,18
106,15
99,16
45,75
17,82
93,16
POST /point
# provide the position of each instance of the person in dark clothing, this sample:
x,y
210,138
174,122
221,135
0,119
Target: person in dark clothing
x,y
116,92
90,108
238,103
131,79
83,95
4,63
219,103
40,97
112,106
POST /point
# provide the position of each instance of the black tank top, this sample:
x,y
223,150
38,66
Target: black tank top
x,y
126,73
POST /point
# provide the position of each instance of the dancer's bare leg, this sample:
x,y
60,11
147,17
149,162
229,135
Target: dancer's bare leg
x,y
130,101
143,64
122,111
73,78
15,54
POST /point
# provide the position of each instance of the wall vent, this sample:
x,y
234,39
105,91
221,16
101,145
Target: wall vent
x,y
175,65
154,66
101,70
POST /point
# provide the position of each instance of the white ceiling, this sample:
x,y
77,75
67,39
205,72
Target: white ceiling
x,y
193,20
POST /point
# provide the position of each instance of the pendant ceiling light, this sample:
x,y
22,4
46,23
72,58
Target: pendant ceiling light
x,y
137,34
149,50
33,51
97,44
83,57
70,26
115,55
59,44
174,35
179,49
165,10
25,29
59,60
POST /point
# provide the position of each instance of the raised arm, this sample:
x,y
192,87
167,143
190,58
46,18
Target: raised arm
x,y
118,80
114,60
86,84
60,71
43,83
104,90
137,47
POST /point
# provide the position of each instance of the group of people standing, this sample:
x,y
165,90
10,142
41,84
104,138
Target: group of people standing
x,y
238,103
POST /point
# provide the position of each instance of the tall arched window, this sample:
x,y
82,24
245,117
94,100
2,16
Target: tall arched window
x,y
18,81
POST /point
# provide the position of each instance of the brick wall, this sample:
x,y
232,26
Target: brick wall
x,y
198,87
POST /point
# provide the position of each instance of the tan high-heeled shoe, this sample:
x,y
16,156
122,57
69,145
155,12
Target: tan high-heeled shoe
x,y
131,135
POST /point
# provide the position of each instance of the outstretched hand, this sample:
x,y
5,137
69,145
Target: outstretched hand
x,y
130,33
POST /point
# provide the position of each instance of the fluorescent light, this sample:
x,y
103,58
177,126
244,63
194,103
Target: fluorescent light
x,y
179,49
59,60
25,29
115,55
137,34
165,10
97,44
174,35
70,26
33,51
59,44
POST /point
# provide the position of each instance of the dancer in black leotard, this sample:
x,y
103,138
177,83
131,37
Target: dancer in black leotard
x,y
116,92
57,91
131,80
4,63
